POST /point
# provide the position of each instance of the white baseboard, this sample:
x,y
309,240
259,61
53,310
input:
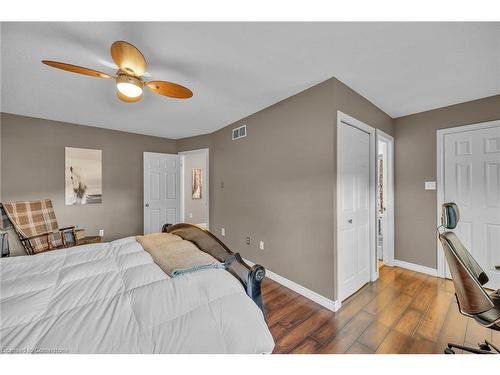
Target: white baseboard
x,y
416,267
308,293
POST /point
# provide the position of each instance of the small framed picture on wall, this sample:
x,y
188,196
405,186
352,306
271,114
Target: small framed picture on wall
x,y
196,183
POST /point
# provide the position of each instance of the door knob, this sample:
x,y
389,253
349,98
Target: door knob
x,y
147,204
349,221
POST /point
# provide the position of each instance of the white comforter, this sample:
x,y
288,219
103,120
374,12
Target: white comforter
x,y
112,298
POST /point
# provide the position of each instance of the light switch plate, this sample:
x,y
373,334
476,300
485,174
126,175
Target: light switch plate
x,y
223,232
430,185
261,245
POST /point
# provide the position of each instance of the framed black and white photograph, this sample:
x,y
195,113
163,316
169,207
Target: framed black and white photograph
x,y
83,176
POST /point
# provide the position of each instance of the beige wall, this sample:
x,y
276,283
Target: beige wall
x,y
33,168
350,102
415,163
279,182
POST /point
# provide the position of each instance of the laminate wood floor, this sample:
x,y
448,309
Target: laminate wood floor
x,y
402,312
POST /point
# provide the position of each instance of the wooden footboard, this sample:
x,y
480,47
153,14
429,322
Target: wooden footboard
x,y
250,277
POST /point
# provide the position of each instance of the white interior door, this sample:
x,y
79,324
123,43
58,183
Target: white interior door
x,y
161,190
354,209
472,180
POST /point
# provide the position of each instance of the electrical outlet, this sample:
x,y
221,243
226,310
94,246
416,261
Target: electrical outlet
x,y
261,245
101,232
190,215
247,240
223,231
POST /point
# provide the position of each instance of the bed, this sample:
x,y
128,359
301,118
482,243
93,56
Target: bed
x,y
112,298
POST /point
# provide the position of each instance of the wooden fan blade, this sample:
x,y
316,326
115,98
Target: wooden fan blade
x,y
127,99
128,58
170,89
76,69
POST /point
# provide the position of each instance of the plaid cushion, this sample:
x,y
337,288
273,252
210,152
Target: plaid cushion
x,y
32,218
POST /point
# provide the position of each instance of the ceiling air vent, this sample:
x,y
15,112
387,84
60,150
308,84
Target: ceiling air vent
x,y
240,132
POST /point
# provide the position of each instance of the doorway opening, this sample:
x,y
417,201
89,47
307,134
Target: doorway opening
x,y
385,199
194,187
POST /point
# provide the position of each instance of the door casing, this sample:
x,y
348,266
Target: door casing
x,y
388,254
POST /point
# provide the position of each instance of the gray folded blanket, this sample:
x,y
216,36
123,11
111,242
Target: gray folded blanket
x,y
176,256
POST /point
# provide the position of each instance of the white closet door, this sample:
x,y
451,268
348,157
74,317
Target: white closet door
x,y
354,227
472,180
161,190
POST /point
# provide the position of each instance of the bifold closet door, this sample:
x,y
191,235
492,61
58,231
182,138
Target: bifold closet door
x,y
354,205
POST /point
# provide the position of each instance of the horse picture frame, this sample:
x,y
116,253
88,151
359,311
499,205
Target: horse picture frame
x,y
83,176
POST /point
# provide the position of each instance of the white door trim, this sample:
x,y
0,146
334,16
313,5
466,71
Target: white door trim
x,y
344,118
440,175
206,182
389,245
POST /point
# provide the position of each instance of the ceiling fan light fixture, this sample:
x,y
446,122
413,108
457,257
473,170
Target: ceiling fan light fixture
x,y
129,77
129,86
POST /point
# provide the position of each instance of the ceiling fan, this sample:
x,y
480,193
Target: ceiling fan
x,y
129,81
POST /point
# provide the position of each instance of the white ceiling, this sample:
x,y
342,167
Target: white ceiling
x,y
236,69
